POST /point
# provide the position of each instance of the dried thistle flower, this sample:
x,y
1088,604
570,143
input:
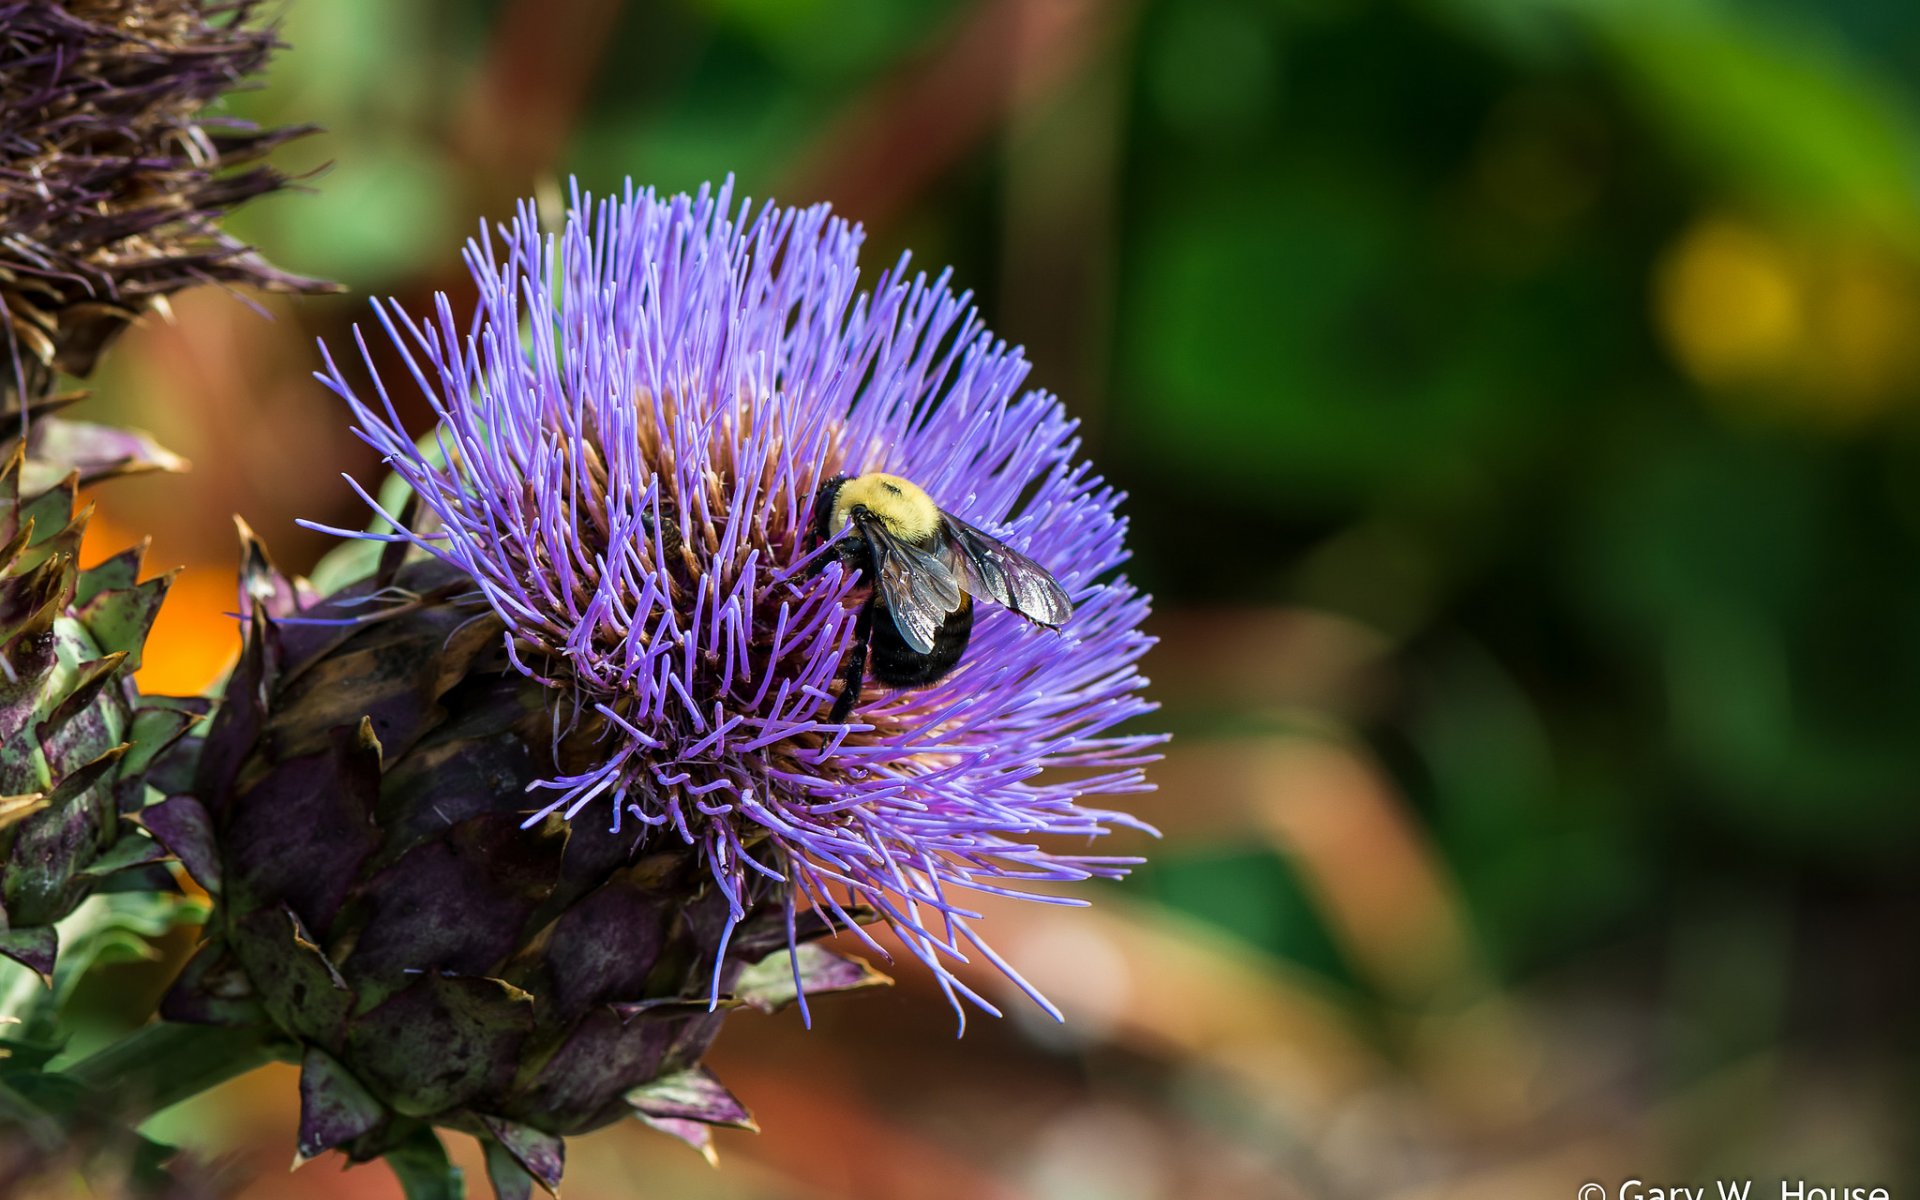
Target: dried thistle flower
x,y
113,176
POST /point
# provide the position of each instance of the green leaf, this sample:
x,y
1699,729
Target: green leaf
x,y
420,1164
16,1109
51,511
691,1095
148,877
510,1180
768,985
335,1106
154,730
133,849
148,1170
120,620
159,1065
33,947
56,1095
20,1113
115,574
89,678
58,447
1763,101
542,1156
77,781
100,923
26,1056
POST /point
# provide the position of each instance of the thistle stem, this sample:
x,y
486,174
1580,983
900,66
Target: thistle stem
x,y
159,1065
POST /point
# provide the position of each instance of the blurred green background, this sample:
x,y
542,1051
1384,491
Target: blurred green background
x,y
1517,404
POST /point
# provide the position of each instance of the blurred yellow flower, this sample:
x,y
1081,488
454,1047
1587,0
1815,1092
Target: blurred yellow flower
x,y
1730,303
1768,321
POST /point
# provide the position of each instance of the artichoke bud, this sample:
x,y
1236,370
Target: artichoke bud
x,y
76,736
359,813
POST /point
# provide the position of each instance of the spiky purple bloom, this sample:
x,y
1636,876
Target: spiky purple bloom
x,y
635,422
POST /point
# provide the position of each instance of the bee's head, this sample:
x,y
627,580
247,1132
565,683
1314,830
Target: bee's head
x,y
821,529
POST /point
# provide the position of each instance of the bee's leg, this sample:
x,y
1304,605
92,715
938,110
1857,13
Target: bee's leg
x,y
856,666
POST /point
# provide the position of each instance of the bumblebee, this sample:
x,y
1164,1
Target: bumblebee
x,y
924,566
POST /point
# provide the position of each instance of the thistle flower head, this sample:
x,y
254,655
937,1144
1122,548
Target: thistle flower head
x,y
632,427
112,177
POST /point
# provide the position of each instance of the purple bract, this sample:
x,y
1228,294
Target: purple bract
x,y
631,431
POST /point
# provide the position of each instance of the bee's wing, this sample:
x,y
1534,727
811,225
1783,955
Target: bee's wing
x,y
918,587
992,568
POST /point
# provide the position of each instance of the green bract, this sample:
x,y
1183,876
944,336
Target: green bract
x,y
76,736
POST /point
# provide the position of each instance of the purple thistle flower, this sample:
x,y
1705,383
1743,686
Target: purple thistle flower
x,y
632,429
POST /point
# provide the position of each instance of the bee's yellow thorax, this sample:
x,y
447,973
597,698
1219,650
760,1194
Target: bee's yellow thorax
x,y
910,513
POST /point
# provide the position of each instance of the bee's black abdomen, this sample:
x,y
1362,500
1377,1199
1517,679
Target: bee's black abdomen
x,y
897,665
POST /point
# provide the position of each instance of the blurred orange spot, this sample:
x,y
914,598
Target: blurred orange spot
x,y
193,638
104,538
832,1140
1380,884
249,1124
1871,318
